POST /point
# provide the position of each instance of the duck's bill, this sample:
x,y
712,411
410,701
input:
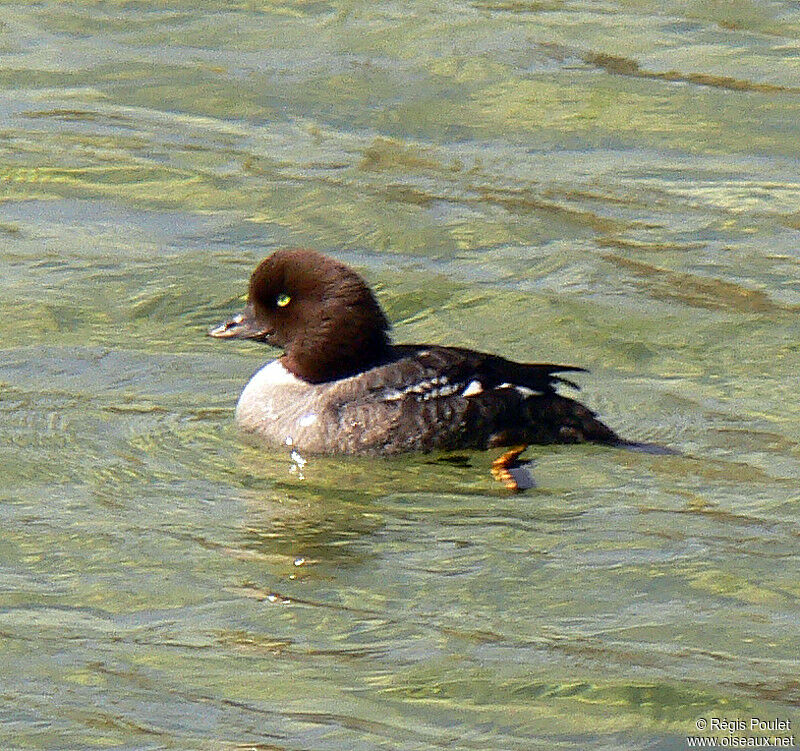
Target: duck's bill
x,y
241,326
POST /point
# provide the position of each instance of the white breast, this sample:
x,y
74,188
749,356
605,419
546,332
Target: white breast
x,y
268,397
272,374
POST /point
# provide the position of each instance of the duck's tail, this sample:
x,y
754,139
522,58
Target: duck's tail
x,y
645,448
559,419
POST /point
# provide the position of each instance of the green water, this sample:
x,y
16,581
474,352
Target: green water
x,y
607,184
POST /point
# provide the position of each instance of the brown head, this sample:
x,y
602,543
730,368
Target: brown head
x,y
318,310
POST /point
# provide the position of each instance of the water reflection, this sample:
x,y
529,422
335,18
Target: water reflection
x,y
612,185
329,515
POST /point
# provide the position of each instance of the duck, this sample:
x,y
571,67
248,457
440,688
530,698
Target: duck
x,y
342,387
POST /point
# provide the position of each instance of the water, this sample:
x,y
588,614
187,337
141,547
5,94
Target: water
x,y
606,184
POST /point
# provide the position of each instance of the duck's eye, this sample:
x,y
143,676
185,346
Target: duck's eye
x,y
283,300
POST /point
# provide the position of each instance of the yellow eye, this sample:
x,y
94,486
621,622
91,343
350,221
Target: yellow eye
x,y
283,300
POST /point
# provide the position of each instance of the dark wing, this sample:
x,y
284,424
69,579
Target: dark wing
x,y
431,397
506,402
454,369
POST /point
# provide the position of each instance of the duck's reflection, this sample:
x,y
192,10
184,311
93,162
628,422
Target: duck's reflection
x,y
304,509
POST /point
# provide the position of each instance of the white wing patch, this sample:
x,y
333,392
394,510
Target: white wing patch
x,y
434,388
473,389
521,390
440,386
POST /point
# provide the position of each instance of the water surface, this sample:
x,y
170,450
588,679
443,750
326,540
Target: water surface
x,y
606,184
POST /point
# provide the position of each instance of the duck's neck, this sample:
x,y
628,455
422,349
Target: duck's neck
x,y
330,361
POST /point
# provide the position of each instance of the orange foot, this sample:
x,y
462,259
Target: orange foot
x,y
502,466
